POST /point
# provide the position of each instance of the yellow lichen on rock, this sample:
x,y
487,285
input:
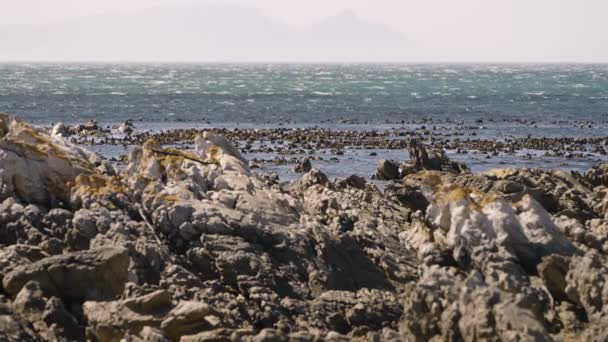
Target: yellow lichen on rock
x,y
452,192
36,166
213,154
169,198
500,173
98,184
35,144
97,189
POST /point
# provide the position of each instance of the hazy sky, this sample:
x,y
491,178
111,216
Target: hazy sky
x,y
432,30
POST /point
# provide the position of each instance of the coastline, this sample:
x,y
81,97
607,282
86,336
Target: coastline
x,y
345,149
182,239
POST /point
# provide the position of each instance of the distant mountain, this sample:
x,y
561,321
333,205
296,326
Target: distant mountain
x,y
202,33
345,35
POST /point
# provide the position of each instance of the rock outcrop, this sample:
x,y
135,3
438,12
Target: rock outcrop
x,y
37,166
194,246
420,160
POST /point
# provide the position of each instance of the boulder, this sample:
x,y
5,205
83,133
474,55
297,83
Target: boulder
x,y
469,219
84,223
12,328
49,317
387,170
194,246
435,159
36,167
60,130
110,321
598,175
126,127
303,166
98,274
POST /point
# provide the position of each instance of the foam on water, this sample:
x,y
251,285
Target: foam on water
x,y
511,100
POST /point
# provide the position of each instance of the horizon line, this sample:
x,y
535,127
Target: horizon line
x,y
295,62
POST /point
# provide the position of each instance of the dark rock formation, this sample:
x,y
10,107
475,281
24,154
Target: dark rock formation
x,y
193,246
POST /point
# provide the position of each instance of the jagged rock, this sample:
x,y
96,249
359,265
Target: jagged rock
x,y
214,146
60,130
62,325
418,155
598,175
194,246
541,231
14,256
587,284
110,321
126,127
303,167
88,127
48,315
436,159
12,328
446,305
75,277
188,318
84,223
313,177
469,219
352,181
36,167
387,170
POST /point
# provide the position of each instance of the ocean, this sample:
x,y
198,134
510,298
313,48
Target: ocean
x,y
550,100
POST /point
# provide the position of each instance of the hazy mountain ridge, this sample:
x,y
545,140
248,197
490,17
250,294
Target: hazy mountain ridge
x,y
202,33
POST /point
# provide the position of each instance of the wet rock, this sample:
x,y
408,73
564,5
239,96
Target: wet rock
x,y
387,170
435,159
314,177
352,181
194,246
60,130
126,127
303,167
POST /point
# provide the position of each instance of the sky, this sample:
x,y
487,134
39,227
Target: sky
x,y
306,31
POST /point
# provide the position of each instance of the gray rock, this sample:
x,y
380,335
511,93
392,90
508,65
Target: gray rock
x,y
303,167
84,222
75,277
195,247
60,130
598,175
387,170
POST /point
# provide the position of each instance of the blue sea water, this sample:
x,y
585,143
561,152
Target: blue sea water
x,y
260,94
504,100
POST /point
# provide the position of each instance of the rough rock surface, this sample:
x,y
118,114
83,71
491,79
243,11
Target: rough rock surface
x,y
387,170
434,159
194,246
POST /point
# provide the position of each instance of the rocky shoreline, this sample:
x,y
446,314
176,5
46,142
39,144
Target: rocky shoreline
x,y
192,245
290,145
